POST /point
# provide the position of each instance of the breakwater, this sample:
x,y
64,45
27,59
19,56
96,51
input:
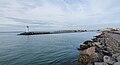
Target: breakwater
x,y
55,32
103,49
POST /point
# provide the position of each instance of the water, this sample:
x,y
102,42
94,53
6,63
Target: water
x,y
54,49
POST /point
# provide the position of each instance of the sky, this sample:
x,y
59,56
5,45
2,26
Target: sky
x,y
43,15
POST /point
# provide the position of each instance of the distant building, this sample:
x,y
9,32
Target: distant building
x,y
111,29
118,29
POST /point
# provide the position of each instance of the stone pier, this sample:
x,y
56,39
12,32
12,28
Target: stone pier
x,y
105,50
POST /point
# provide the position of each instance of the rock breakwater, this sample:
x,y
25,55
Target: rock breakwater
x,y
103,49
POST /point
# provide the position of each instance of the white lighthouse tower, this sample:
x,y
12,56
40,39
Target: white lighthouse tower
x,y
27,28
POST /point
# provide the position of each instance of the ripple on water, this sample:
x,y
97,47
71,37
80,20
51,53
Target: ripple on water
x,y
59,49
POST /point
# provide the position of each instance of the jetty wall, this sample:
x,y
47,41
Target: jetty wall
x,y
104,49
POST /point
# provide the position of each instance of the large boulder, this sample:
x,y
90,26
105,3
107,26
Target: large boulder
x,y
88,42
100,63
84,46
98,57
98,44
106,52
117,63
91,51
109,60
116,55
118,58
84,59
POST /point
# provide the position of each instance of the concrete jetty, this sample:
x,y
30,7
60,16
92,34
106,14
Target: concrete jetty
x,y
104,49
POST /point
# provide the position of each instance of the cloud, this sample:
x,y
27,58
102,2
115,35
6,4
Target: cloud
x,y
28,21
58,14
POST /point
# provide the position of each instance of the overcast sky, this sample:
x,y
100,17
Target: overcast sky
x,y
40,15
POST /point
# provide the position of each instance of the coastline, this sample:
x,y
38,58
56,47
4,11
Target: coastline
x,y
103,49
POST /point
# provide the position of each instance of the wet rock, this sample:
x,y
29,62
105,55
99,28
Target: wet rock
x,y
95,39
88,42
83,47
109,60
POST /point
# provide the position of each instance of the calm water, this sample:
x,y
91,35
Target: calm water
x,y
55,49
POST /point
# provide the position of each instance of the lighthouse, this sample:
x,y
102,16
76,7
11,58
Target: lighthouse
x,y
27,28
